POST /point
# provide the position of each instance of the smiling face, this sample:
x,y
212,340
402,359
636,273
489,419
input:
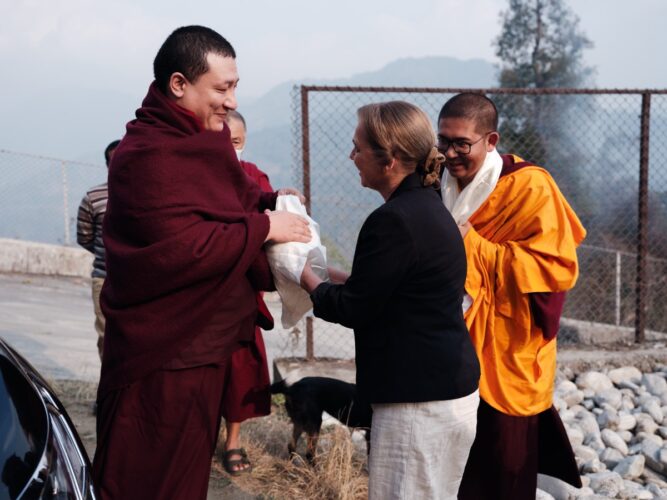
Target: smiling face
x,y
464,167
211,95
364,158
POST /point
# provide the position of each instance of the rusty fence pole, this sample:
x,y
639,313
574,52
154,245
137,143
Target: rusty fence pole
x,y
642,225
305,158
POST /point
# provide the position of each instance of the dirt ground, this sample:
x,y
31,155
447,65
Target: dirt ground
x,y
341,471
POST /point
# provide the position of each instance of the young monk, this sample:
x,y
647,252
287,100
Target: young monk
x,y
247,394
183,232
520,237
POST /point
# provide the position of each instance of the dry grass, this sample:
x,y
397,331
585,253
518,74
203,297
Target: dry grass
x,y
338,474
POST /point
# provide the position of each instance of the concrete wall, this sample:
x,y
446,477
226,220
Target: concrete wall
x,y
28,257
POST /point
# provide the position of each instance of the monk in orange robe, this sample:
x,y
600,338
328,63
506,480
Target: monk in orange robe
x,y
520,236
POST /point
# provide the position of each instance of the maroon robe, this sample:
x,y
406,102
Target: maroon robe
x,y
183,227
183,234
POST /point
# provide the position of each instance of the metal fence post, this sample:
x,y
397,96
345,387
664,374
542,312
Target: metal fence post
x,y
63,169
305,155
642,225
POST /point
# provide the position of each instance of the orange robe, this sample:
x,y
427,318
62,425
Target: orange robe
x,y
523,240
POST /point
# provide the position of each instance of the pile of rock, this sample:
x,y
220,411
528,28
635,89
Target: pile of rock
x,y
617,424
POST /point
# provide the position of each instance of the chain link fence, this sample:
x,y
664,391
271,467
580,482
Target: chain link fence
x,y
40,196
596,145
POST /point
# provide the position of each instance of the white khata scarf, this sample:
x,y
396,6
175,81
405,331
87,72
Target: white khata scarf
x,y
466,202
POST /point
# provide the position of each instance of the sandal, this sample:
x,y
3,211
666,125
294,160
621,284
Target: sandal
x,y
229,464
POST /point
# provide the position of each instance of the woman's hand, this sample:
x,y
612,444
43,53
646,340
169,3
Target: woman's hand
x,y
286,226
295,192
309,280
337,276
464,228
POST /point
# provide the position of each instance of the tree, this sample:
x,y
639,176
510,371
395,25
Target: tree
x,y
541,46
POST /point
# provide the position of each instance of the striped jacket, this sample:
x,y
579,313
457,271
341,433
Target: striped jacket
x,y
89,226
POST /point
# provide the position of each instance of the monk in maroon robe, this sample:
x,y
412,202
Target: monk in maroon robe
x,y
184,231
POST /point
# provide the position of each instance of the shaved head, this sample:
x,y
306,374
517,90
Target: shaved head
x,y
474,107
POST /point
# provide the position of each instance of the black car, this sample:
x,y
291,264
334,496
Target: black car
x,y
41,454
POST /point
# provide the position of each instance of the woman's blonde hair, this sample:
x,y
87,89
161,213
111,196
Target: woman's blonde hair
x,y
398,129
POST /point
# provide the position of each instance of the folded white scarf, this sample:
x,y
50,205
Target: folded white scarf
x,y
287,261
466,202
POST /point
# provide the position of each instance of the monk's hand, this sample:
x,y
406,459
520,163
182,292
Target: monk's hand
x,y
309,280
286,226
464,228
295,192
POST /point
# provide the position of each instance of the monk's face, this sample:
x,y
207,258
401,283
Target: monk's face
x,y
461,135
237,131
211,95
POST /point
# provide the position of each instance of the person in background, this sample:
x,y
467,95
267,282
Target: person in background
x,y
89,235
520,236
415,362
247,394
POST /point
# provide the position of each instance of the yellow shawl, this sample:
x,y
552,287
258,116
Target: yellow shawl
x,y
523,240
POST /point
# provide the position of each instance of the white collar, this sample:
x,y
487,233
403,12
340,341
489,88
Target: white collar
x,y
466,202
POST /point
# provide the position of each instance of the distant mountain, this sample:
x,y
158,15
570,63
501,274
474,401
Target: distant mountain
x,y
274,107
269,118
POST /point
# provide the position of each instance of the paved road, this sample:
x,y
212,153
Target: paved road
x,y
50,321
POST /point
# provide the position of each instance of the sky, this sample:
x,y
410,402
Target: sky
x,y
50,48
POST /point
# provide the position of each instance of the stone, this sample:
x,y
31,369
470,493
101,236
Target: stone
x,y
625,374
631,467
651,452
595,381
543,495
656,491
607,483
584,452
560,490
589,404
645,423
573,397
608,419
575,435
652,407
626,421
588,423
627,403
593,465
567,415
611,457
628,385
662,458
611,397
654,383
662,432
613,440
625,436
559,404
564,386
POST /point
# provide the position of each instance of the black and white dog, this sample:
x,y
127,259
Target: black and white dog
x,y
306,399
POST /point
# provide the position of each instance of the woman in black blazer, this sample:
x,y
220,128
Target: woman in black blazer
x,y
415,361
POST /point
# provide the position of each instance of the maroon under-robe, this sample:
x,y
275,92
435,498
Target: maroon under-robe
x,y
247,389
183,234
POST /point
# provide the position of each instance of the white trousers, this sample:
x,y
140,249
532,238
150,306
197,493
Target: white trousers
x,y
419,450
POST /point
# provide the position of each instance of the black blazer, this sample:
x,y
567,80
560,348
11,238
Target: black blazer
x,y
403,300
